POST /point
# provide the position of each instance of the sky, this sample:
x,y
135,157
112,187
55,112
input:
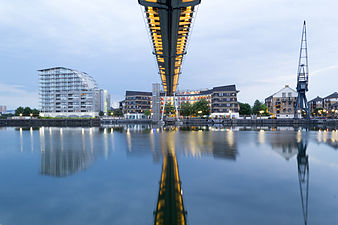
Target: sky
x,y
251,43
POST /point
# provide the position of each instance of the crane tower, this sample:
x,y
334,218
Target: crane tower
x,y
302,106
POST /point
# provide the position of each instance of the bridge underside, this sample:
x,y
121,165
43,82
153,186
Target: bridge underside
x,y
169,23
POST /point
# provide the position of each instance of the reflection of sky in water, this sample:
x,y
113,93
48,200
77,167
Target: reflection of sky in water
x,y
111,175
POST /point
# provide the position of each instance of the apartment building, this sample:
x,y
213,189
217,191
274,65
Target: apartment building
x,y
68,93
282,103
222,101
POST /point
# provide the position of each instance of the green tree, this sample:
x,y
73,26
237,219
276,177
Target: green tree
x,y
27,111
265,109
244,109
147,113
186,109
169,109
257,107
101,113
201,108
118,113
35,112
19,111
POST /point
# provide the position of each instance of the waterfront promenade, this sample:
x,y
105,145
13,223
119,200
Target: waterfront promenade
x,y
186,122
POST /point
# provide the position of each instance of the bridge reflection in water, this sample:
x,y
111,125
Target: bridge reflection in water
x,y
170,208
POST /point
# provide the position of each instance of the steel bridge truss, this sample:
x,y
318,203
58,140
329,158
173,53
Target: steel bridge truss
x,y
169,23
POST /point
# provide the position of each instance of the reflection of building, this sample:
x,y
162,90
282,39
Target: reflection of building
x,y
60,163
217,144
222,100
329,138
61,157
285,143
170,208
66,93
282,103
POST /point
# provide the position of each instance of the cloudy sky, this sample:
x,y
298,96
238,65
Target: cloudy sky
x,y
251,43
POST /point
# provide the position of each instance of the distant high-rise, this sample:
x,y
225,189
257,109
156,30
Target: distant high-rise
x,y
3,109
156,102
68,93
104,101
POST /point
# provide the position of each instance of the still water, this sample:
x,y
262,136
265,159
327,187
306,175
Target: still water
x,y
140,175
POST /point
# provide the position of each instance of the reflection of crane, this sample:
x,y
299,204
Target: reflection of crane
x,y
303,175
170,208
302,105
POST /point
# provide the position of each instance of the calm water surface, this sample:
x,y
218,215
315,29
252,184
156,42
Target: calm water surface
x,y
139,175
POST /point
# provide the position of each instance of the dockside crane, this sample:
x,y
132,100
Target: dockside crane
x,y
302,106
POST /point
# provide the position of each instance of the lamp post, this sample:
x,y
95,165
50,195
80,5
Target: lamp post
x,y
20,114
260,113
299,113
200,112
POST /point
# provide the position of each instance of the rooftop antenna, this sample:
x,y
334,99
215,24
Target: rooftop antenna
x,y
302,106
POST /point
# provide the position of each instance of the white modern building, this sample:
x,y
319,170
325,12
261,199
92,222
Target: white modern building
x,y
68,93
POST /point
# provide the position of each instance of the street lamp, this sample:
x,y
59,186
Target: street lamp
x,y
31,114
20,114
261,112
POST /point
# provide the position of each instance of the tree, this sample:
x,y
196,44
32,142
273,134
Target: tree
x,y
201,108
147,113
244,109
257,107
101,113
169,109
35,112
19,111
265,109
118,113
27,111
186,109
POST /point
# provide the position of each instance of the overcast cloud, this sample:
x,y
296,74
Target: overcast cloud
x,y
253,44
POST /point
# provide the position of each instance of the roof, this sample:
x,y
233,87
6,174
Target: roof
x,y
316,99
53,68
225,88
333,95
135,93
286,89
